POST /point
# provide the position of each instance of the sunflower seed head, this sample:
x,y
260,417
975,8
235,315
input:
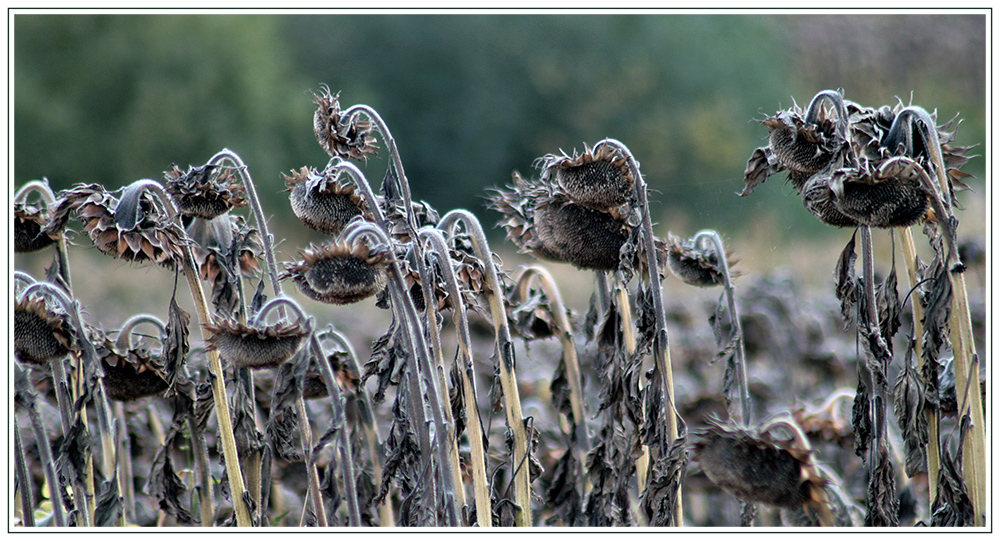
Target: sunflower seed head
x,y
129,375
348,138
251,347
324,202
206,192
695,265
339,273
29,221
41,334
756,466
600,179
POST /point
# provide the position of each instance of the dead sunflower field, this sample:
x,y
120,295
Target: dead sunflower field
x,y
594,369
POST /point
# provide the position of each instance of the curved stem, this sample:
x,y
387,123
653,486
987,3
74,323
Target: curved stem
x,y
233,467
368,420
484,516
258,212
124,341
42,188
505,349
661,348
720,254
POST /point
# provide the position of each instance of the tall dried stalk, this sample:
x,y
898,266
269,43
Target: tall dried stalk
x,y
570,360
505,350
229,451
25,394
484,516
661,349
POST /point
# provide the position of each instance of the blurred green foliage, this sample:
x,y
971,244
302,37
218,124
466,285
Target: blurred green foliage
x,y
472,97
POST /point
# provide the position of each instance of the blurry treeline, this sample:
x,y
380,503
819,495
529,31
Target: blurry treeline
x,y
470,98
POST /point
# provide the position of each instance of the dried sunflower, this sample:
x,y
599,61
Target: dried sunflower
x,y
542,220
248,346
340,272
600,180
29,220
323,201
348,138
130,373
695,265
802,142
213,245
134,227
755,465
41,334
205,192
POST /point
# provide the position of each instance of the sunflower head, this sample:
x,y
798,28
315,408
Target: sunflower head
x,y
323,201
881,201
134,227
41,333
205,192
756,465
29,220
248,346
348,138
599,179
131,374
799,146
694,264
542,220
340,272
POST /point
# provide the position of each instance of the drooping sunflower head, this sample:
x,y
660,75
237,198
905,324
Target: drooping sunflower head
x,y
130,374
266,346
340,272
542,220
755,464
694,264
205,192
598,179
324,201
133,227
348,138
29,220
42,333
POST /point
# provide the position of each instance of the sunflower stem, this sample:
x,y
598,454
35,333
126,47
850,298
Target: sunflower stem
x,y
367,419
42,188
963,344
661,340
346,455
27,395
229,451
734,315
484,517
570,358
505,349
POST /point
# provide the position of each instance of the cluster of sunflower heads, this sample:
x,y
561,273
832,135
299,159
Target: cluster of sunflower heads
x,y
348,137
761,464
576,212
131,226
838,161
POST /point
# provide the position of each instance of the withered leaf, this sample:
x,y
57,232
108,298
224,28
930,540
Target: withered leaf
x,y
861,419
846,285
165,485
910,410
883,506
